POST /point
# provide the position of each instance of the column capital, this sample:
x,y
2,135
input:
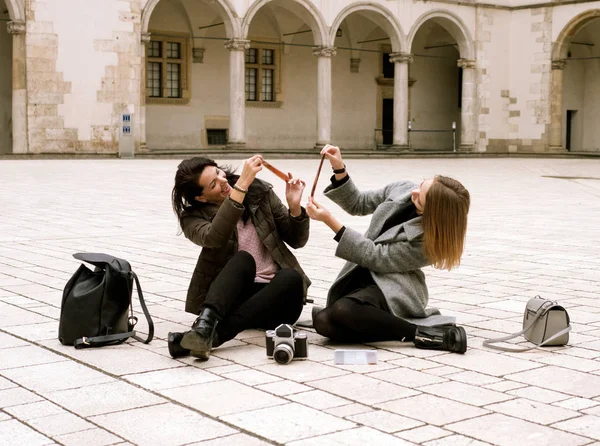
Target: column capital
x,y
401,58
198,54
146,37
559,64
466,64
324,51
237,44
16,27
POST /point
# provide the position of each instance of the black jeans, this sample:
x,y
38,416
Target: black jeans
x,y
241,303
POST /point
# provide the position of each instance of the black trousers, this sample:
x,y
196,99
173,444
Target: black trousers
x,y
241,303
362,315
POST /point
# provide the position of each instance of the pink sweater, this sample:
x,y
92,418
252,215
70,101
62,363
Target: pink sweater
x,y
248,240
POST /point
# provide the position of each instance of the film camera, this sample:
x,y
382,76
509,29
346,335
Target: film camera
x,y
283,344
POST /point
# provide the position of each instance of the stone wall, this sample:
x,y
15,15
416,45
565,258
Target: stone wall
x,y
85,67
81,73
483,109
5,89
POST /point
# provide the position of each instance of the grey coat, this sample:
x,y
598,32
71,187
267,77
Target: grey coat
x,y
394,258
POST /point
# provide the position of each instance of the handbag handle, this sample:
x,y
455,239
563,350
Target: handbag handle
x,y
489,342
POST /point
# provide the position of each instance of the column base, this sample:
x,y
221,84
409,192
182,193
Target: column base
x,y
399,148
236,146
319,146
466,148
556,149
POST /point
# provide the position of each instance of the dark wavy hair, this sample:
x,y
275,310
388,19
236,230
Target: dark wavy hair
x,y
186,187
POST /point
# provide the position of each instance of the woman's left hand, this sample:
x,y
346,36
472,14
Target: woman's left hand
x,y
293,194
317,212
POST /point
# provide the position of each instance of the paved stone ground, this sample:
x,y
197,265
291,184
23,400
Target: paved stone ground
x,y
529,234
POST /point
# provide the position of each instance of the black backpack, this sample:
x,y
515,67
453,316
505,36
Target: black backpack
x,y
95,304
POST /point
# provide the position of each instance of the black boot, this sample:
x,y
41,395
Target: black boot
x,y
175,348
444,337
199,340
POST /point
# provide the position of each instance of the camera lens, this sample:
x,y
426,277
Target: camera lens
x,y
283,354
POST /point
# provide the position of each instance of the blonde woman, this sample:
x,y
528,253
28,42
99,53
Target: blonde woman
x,y
382,284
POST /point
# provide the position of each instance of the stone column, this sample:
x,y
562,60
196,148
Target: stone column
x,y
324,55
143,75
237,94
467,112
400,137
556,103
19,87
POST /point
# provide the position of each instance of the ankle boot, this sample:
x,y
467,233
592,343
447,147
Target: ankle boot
x,y
444,337
199,340
175,348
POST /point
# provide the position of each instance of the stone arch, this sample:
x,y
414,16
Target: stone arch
x,y
451,23
560,52
185,13
16,10
561,46
313,18
378,14
226,10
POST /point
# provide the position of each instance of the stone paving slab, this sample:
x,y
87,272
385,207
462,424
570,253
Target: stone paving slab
x,y
172,424
530,232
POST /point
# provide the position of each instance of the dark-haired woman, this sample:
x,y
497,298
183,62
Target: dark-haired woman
x,y
382,284
245,277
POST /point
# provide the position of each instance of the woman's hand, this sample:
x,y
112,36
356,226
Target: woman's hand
x,y
334,155
293,194
317,212
252,166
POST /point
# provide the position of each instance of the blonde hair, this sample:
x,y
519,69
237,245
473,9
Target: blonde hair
x,y
445,222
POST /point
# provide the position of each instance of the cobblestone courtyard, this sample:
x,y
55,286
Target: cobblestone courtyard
x,y
533,229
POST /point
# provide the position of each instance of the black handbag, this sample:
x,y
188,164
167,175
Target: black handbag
x,y
97,308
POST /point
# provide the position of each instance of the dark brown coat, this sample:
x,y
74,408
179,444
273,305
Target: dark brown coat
x,y
214,228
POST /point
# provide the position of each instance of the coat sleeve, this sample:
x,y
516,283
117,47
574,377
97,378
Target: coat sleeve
x,y
293,230
215,233
355,202
395,257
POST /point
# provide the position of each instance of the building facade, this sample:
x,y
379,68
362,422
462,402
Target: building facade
x,y
509,76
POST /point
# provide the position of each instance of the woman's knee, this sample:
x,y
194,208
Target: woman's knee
x,y
291,278
244,264
292,283
343,310
322,323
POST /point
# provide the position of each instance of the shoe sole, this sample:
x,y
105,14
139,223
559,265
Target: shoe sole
x,y
193,342
200,355
461,340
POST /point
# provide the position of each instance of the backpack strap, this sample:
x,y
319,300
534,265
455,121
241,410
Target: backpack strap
x,y
99,341
146,313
